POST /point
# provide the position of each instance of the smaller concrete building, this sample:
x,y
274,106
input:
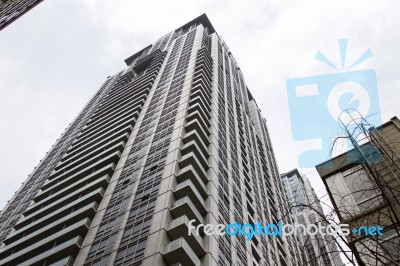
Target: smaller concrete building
x,y
363,185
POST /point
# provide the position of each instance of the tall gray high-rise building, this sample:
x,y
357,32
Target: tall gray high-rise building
x,y
319,250
173,137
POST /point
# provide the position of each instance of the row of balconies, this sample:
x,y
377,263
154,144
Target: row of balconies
x,y
120,105
83,160
118,109
111,103
34,249
126,89
190,192
96,148
86,168
153,64
103,123
181,224
75,161
140,82
179,252
106,132
54,225
50,222
50,187
96,131
120,130
145,61
68,194
123,78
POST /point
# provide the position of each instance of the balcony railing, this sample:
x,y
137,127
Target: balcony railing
x,y
191,159
186,188
189,173
185,206
179,251
179,227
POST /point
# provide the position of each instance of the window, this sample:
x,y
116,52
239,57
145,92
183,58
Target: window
x,y
364,190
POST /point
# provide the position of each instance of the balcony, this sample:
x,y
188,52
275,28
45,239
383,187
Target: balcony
x,y
104,120
120,134
179,228
144,62
52,220
26,238
123,106
204,61
95,148
94,196
199,91
194,136
200,152
203,73
121,97
44,245
185,206
105,132
203,83
199,118
191,159
195,126
186,188
195,145
67,261
199,100
205,114
68,194
179,251
128,92
120,131
116,101
189,173
85,136
46,232
86,167
53,255
56,185
86,158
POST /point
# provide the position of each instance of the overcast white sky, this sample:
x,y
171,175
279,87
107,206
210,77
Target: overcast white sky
x,y
56,56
